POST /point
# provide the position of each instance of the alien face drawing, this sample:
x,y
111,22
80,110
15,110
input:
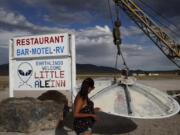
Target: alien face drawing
x,y
25,72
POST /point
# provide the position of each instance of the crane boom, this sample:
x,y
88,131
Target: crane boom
x,y
162,40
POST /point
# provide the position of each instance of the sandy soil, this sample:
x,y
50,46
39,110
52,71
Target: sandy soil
x,y
164,85
111,125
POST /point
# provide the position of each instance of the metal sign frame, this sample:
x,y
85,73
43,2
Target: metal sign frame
x,y
14,60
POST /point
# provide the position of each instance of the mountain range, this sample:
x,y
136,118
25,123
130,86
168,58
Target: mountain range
x,y
80,69
93,69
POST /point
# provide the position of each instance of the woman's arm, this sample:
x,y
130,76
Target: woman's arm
x,y
78,106
97,109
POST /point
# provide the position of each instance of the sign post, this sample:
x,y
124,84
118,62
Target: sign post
x,y
42,62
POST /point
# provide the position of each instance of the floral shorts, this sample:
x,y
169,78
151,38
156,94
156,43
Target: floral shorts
x,y
89,130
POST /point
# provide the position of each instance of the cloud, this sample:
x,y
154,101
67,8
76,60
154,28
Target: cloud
x,y
94,43
13,23
12,18
131,31
170,8
105,29
95,46
5,36
4,54
69,11
80,11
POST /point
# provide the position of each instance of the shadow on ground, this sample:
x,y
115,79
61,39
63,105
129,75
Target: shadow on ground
x,y
108,124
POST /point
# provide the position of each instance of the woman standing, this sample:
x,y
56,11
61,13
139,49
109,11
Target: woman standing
x,y
84,111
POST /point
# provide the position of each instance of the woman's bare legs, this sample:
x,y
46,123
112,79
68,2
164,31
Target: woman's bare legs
x,y
88,133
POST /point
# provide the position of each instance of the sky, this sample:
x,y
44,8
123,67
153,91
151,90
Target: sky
x,y
91,23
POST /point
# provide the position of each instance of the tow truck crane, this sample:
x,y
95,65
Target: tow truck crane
x,y
124,92
161,39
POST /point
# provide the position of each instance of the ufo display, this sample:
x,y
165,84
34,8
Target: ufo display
x,y
134,101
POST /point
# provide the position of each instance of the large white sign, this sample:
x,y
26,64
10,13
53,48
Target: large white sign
x,y
42,62
42,74
42,45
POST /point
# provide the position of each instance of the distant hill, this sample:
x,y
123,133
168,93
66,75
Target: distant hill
x,y
80,69
4,69
93,69
156,71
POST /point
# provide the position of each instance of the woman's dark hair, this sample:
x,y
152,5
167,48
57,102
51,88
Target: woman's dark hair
x,y
88,82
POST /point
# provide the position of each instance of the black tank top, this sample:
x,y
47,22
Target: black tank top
x,y
82,124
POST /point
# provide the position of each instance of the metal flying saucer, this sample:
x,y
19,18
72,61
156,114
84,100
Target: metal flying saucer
x,y
135,101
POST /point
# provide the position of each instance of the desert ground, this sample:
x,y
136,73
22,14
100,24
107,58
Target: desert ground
x,y
116,125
